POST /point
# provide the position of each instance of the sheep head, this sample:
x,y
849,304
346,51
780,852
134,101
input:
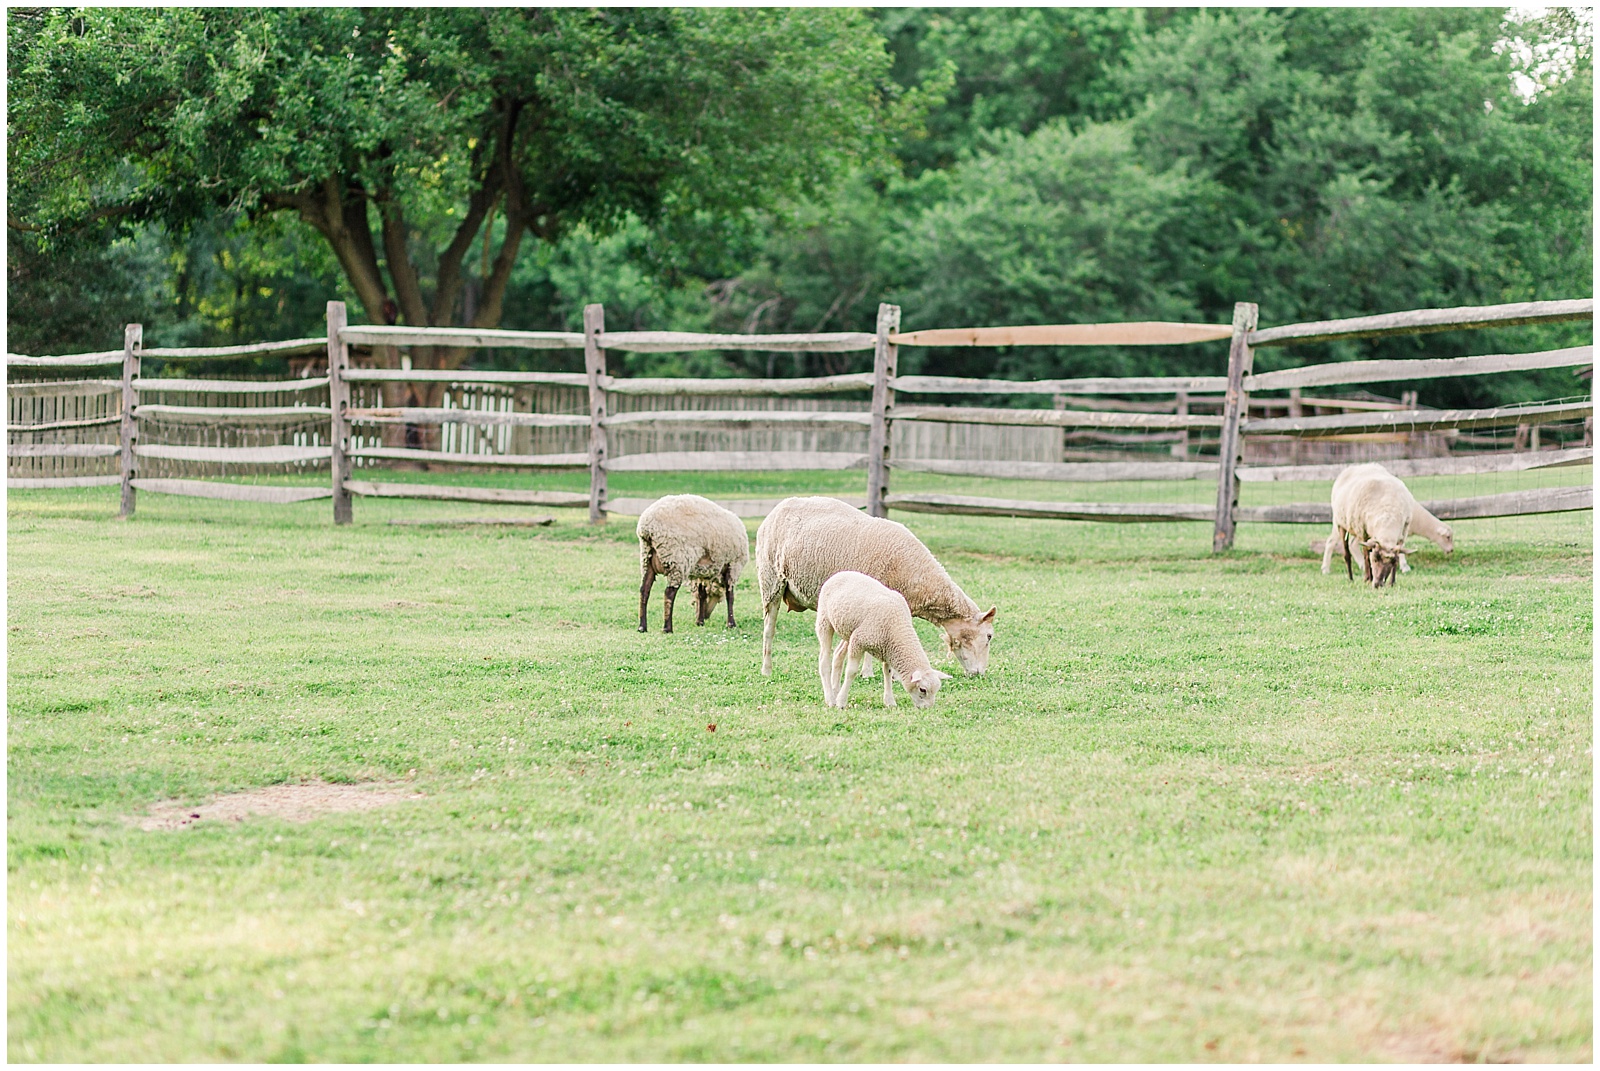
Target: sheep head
x,y
923,685
968,639
1447,539
1383,562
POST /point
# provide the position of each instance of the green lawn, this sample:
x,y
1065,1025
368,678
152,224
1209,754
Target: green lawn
x,y
1200,809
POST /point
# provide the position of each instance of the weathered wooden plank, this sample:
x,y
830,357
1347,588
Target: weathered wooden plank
x,y
594,368
1124,512
128,425
451,493
787,388
253,349
64,388
54,425
1421,321
29,483
461,337
749,508
233,414
683,341
736,461
463,375
1070,472
478,417
1508,504
339,419
235,455
504,461
229,386
885,363
1322,375
233,492
1419,420
1428,466
716,418
63,450
543,520
1147,333
1053,418
1101,385
69,360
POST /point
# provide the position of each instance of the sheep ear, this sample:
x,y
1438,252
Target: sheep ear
x,y
942,674
988,618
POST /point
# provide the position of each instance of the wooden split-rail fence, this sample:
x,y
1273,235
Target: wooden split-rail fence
x,y
493,419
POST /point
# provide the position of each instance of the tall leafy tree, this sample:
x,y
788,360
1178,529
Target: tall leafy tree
x,y
426,145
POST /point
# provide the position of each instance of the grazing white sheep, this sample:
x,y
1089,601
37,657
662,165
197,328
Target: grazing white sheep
x,y
1432,528
686,538
804,541
1372,508
870,619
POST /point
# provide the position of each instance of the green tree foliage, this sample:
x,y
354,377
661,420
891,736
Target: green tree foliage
x,y
405,137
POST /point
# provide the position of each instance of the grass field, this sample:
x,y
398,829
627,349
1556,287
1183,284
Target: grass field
x,y
1200,808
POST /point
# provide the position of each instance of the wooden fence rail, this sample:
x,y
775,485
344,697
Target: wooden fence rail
x,y
1120,419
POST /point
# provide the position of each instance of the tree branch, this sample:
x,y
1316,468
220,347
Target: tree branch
x,y
450,278
406,287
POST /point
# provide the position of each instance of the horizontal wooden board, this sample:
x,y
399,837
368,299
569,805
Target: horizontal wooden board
x,y
1147,333
1322,375
463,375
462,337
544,520
229,386
1461,464
735,461
1421,321
1508,504
683,341
47,482
1071,472
748,508
233,414
63,450
858,381
233,492
1418,420
1100,385
504,461
1052,418
452,493
717,418
253,349
67,360
476,417
64,388
56,425
235,455
1122,512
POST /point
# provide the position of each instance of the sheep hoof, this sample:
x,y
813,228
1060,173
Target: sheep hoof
x,y
644,628
731,624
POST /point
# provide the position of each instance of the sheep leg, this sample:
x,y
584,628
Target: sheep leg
x,y
825,660
702,604
644,594
1344,541
1327,551
888,687
672,594
837,671
727,586
1404,568
866,666
852,667
1366,563
768,626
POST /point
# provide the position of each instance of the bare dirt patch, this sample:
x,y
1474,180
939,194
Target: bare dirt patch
x,y
291,803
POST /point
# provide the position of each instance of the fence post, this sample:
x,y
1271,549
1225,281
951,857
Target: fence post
x,y
594,363
339,401
1231,449
128,430
1180,449
885,358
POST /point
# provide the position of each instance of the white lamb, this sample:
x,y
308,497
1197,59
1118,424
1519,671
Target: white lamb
x,y
1373,508
804,541
1432,528
686,538
870,619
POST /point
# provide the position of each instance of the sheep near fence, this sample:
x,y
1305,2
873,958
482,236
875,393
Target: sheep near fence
x,y
535,421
